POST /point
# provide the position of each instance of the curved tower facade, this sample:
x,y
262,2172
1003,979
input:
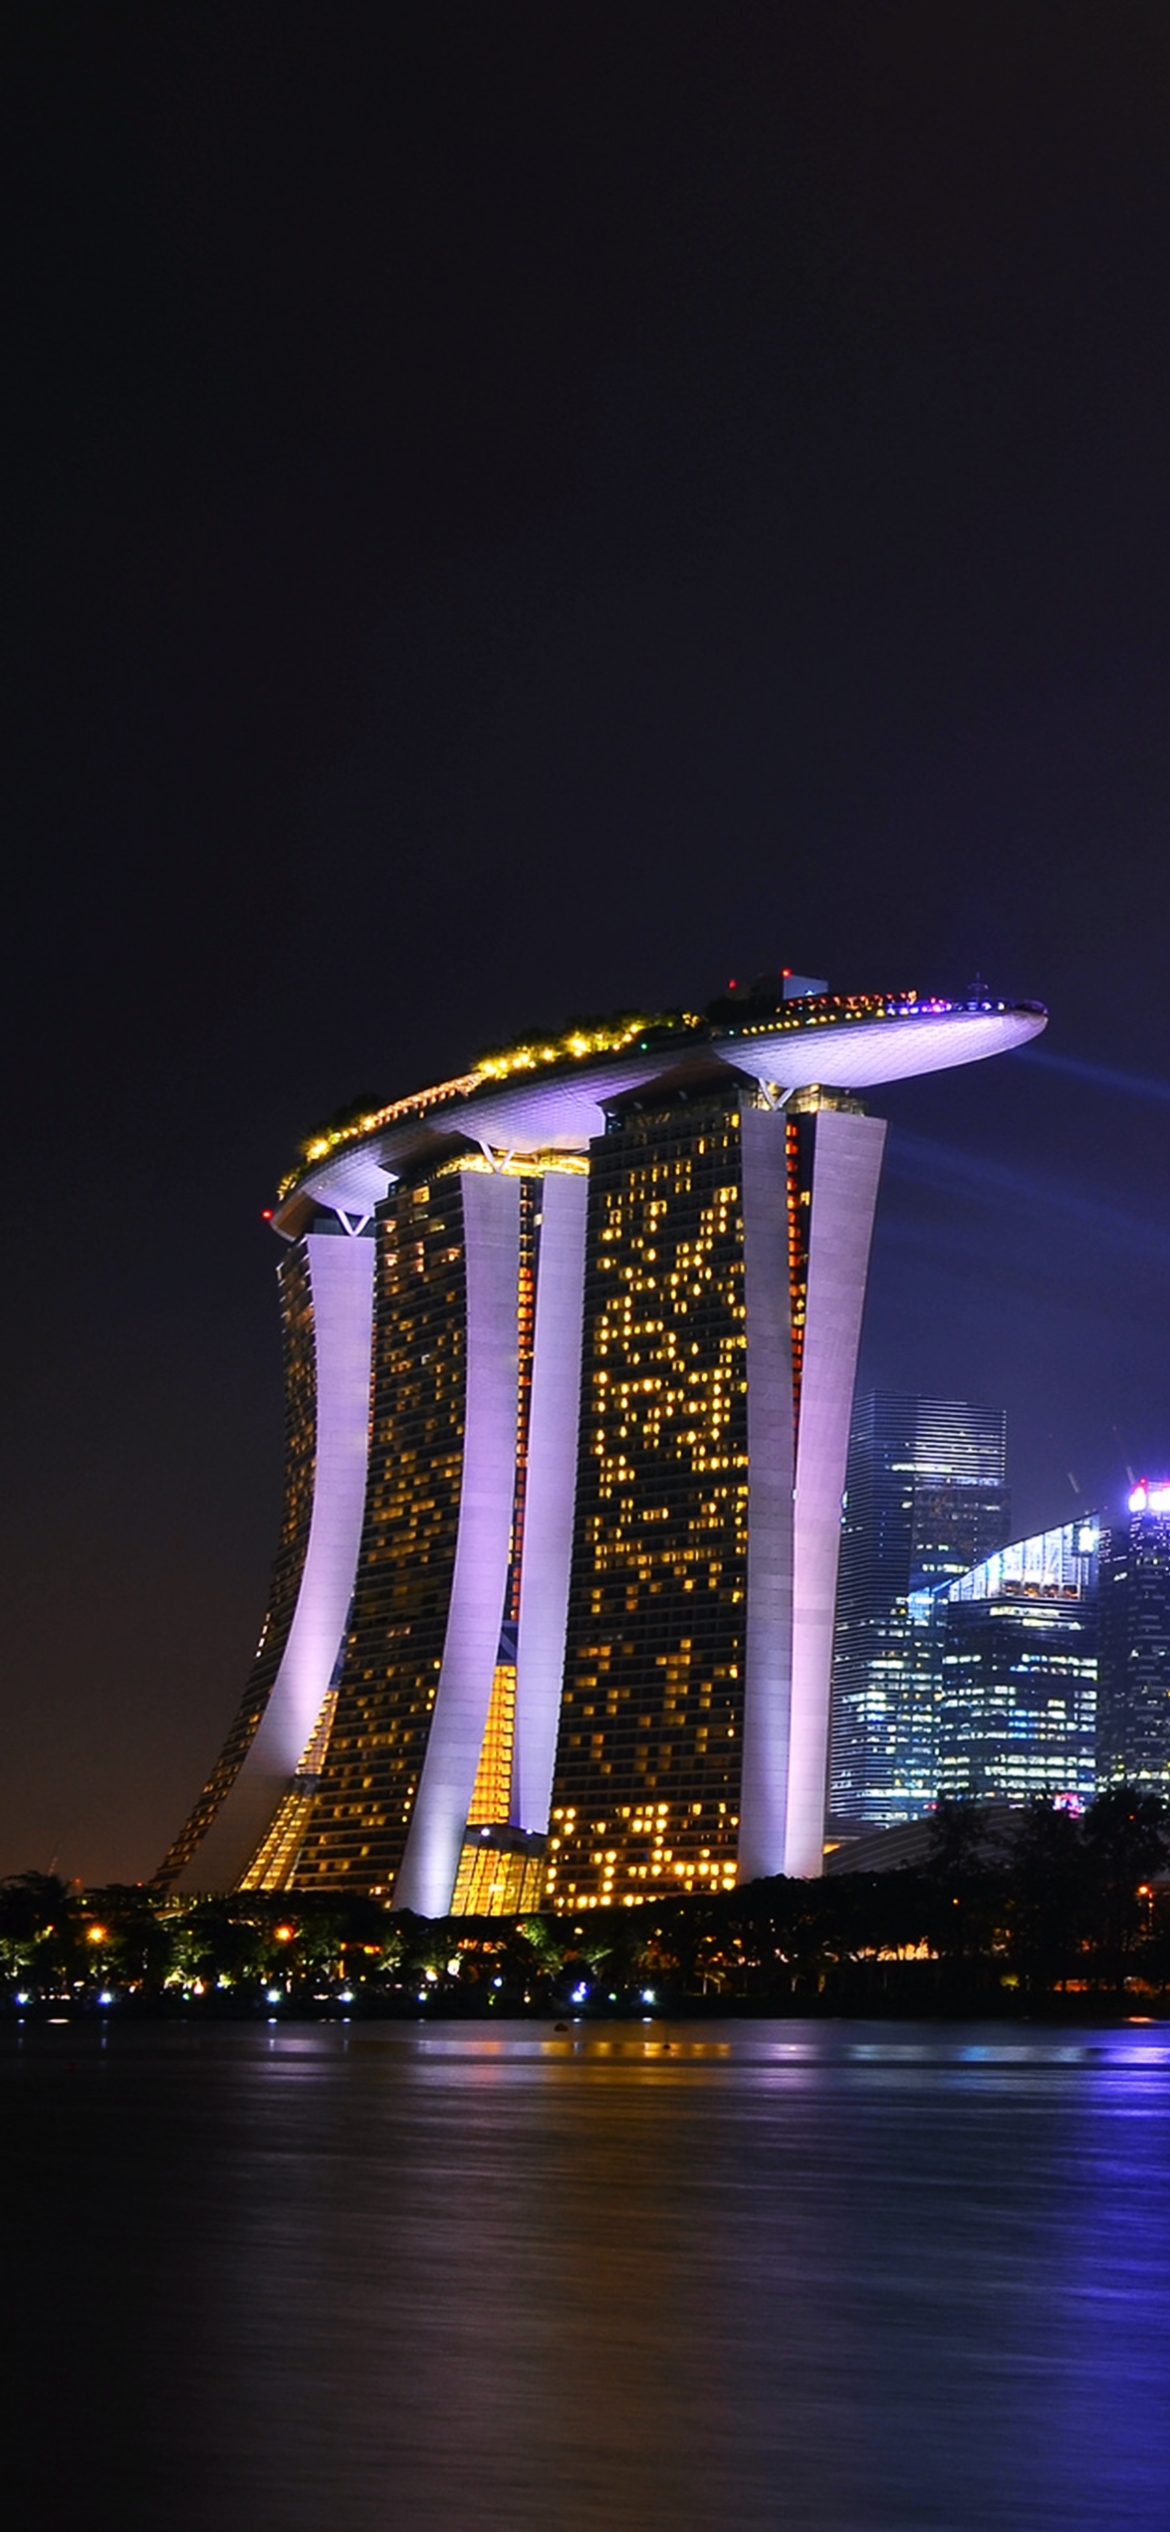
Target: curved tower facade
x,y
570,1347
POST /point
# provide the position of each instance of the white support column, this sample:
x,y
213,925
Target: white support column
x,y
550,1493
768,1652
341,1282
847,1163
491,1214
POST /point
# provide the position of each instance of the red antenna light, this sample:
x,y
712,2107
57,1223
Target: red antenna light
x,y
267,1215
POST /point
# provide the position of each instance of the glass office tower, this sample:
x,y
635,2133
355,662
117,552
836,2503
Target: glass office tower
x,y
926,1498
570,1345
1133,1708
1017,1706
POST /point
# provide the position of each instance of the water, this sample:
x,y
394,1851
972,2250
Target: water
x,y
828,2277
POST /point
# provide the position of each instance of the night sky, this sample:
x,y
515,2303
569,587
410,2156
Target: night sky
x,y
514,511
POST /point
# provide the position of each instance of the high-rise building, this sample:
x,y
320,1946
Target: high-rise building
x,y
926,1498
1018,1697
570,1347
1133,1704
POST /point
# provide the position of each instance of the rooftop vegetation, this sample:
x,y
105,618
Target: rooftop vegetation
x,y
760,1010
579,1042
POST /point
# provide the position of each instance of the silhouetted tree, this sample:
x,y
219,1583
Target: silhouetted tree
x,y
1050,1897
1127,1841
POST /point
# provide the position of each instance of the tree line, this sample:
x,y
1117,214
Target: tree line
x,y
1069,1914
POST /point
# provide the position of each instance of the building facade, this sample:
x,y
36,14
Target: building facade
x,y
926,1498
570,1346
1133,1709
1017,1712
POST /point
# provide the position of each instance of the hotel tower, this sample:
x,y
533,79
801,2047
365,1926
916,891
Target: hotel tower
x,y
570,1347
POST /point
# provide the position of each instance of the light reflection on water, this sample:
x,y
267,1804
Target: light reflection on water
x,y
819,2276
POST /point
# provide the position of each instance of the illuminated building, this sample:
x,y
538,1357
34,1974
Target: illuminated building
x,y
1018,1696
926,1498
570,1348
1133,1703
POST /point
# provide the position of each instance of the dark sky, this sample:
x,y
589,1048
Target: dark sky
x,y
515,510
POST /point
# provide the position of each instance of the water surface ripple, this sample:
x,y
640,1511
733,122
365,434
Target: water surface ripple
x,y
821,2276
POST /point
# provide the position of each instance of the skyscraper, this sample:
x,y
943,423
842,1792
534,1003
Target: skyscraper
x,y
1018,1695
1133,1702
926,1498
570,1345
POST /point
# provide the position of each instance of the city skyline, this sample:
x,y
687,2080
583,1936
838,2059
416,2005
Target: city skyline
x,y
534,538
571,1342
448,600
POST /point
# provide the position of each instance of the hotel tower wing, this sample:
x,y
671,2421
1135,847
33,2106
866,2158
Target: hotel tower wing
x,y
570,1347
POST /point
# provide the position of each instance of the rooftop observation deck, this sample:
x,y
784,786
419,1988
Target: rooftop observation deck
x,y
548,1094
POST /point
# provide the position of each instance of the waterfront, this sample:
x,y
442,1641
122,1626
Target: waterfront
x,y
761,2274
